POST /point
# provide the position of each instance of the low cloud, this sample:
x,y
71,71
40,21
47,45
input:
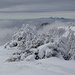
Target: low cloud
x,y
7,29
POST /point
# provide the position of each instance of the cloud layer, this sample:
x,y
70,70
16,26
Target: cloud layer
x,y
7,29
25,9
36,5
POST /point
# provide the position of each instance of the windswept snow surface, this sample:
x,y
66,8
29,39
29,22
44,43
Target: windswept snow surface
x,y
49,66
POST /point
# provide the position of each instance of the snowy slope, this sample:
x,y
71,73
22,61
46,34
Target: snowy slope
x,y
49,66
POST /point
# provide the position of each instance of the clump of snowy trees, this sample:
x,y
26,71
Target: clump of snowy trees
x,y
34,46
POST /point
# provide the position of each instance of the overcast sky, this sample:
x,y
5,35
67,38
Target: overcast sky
x,y
36,5
25,9
35,8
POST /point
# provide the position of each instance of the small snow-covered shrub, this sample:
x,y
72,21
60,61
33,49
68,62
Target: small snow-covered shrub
x,y
30,58
13,44
67,56
48,53
14,58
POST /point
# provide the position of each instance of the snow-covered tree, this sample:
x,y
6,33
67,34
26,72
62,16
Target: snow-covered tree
x,y
67,45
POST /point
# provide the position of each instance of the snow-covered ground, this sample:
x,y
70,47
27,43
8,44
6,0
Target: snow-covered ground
x,y
49,66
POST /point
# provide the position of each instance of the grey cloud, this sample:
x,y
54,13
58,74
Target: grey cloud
x,y
5,23
6,39
7,3
58,5
6,34
10,23
7,29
